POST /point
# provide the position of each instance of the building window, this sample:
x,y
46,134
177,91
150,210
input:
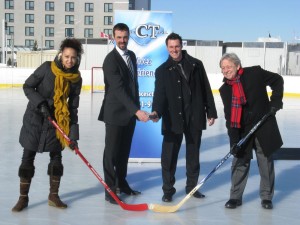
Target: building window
x,y
29,18
9,17
69,7
131,5
89,7
49,44
9,4
88,20
29,31
49,31
29,5
29,43
69,19
108,20
69,32
108,7
88,33
108,31
10,30
10,42
49,19
49,6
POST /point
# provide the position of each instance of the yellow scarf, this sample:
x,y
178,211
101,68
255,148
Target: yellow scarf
x,y
61,94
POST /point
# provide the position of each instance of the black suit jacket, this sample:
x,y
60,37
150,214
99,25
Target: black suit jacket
x,y
121,98
255,81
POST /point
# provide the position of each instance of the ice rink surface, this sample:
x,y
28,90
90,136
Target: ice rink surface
x,y
84,194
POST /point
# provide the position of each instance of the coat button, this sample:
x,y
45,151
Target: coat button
x,y
179,97
179,113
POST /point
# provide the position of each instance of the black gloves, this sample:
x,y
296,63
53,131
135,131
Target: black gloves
x,y
44,110
273,110
235,149
73,144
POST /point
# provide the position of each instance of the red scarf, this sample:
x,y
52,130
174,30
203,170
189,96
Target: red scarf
x,y
238,99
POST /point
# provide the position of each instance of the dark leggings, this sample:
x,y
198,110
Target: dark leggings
x,y
29,156
55,167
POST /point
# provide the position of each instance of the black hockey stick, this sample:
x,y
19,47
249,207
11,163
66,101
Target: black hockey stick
x,y
167,209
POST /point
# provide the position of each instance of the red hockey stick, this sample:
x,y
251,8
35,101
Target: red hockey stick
x,y
131,207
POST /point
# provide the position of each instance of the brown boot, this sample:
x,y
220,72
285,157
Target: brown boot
x,y
23,199
53,199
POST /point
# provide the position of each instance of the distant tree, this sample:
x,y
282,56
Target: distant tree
x,y
35,46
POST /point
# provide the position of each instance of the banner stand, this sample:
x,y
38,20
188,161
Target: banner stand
x,y
148,32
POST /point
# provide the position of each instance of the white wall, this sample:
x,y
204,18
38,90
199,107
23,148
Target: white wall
x,y
94,55
208,55
14,77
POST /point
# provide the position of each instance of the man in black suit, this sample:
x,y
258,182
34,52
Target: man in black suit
x,y
184,99
119,111
246,101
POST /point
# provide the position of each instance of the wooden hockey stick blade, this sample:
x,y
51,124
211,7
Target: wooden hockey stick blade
x,y
168,209
130,207
165,209
174,208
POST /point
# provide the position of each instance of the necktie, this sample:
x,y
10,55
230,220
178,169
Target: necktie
x,y
129,64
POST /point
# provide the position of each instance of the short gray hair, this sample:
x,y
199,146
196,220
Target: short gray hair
x,y
231,57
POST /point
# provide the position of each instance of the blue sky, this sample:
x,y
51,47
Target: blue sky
x,y
233,20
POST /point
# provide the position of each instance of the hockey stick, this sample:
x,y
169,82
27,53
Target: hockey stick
x,y
131,207
168,209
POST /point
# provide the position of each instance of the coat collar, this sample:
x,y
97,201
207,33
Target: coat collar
x,y
170,63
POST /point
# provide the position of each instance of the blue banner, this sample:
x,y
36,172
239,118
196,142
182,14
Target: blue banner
x,y
148,32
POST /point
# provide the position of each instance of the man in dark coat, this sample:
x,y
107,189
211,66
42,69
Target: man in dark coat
x,y
245,98
183,99
119,111
52,90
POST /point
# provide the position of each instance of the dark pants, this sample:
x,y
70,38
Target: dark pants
x,y
26,169
29,156
116,154
169,156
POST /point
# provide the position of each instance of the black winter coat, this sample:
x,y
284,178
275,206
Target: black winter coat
x,y
168,100
255,81
37,133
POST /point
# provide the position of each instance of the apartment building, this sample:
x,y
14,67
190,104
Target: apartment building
x,y
44,24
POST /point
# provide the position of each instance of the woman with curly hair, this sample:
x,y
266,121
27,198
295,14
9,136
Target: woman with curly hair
x,y
53,91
